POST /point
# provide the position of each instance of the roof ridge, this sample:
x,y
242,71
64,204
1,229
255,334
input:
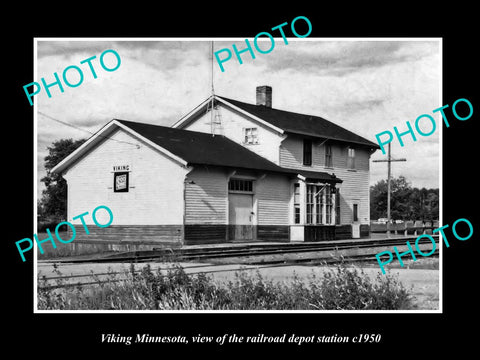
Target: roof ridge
x,y
170,128
277,109
302,124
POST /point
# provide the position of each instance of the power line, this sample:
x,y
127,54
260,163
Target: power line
x,y
87,131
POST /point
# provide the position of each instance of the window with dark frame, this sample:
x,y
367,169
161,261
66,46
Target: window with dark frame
x,y
328,155
120,181
318,205
240,185
251,135
337,207
307,152
296,203
355,212
328,204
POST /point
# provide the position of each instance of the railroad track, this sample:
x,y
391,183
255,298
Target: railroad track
x,y
227,251
222,259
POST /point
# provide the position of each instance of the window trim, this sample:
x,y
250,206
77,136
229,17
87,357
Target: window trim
x,y
307,150
240,189
253,136
355,216
296,204
319,208
351,159
328,155
337,207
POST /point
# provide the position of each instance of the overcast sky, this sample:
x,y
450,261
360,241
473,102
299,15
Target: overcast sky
x,y
365,86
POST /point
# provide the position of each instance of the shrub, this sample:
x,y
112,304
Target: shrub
x,y
340,288
350,289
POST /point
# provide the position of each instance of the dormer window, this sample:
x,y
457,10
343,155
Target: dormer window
x,y
251,136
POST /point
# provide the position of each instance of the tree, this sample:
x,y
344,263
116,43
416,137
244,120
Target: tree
x,y
378,200
399,193
407,203
53,204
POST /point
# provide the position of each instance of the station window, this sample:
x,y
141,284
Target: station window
x,y
296,203
351,158
307,152
328,155
251,136
120,182
319,204
240,185
328,205
337,207
314,204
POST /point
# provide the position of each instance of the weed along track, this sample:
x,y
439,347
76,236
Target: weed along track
x,y
96,270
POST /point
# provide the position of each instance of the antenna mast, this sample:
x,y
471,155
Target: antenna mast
x,y
215,117
213,91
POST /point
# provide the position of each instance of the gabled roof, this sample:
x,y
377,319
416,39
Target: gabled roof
x,y
301,124
205,149
188,148
201,148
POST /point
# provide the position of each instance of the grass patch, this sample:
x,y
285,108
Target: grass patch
x,y
339,288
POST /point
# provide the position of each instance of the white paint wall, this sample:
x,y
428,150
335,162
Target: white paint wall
x,y
356,183
233,124
273,196
206,196
155,196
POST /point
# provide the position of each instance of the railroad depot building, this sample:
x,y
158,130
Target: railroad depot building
x,y
227,171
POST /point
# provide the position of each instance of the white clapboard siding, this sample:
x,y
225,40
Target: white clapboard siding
x,y
233,124
356,183
291,155
206,196
354,189
273,200
155,196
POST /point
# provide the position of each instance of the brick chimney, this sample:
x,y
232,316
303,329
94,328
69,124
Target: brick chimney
x,y
264,96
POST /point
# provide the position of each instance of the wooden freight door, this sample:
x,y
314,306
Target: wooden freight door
x,y
240,216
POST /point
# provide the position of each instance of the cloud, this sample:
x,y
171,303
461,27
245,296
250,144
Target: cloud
x,y
364,86
339,58
70,48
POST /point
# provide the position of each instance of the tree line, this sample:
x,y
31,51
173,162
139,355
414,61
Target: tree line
x,y
52,206
406,202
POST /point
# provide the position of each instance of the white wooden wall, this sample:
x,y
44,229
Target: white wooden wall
x,y
206,196
155,196
356,183
273,195
233,124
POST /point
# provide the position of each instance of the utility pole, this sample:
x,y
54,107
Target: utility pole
x,y
389,171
